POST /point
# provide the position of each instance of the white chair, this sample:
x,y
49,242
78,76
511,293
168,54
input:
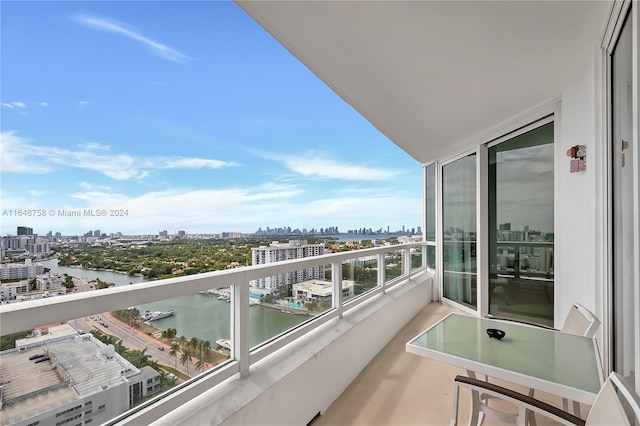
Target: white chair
x,y
616,403
579,321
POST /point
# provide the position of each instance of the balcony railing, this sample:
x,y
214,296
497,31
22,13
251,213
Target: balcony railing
x,y
388,266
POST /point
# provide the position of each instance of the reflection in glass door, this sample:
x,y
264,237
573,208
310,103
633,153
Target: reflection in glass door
x,y
622,199
459,231
521,230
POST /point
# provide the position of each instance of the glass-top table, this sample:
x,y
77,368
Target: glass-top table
x,y
549,360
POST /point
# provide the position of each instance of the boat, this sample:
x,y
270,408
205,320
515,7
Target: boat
x,y
225,343
152,316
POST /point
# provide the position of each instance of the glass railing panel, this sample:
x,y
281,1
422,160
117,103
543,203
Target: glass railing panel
x,y
94,368
362,272
155,346
416,257
283,302
431,256
393,264
194,326
460,272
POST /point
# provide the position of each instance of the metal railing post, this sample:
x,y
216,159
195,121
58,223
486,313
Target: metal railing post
x,y
406,262
336,280
240,325
382,269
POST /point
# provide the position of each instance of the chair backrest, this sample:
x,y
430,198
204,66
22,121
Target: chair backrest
x,y
615,404
580,321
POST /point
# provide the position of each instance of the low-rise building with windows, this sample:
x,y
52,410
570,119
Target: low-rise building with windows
x,y
81,380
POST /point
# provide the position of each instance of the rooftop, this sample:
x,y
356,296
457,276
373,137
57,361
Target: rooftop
x,y
21,377
78,367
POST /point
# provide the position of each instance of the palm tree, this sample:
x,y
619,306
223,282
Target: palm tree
x,y
186,357
206,345
203,349
194,342
139,357
174,353
169,333
182,340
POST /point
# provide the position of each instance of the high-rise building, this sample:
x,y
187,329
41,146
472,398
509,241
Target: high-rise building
x,y
24,230
277,252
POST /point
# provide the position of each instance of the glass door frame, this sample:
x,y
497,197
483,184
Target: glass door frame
x,y
613,31
547,113
439,230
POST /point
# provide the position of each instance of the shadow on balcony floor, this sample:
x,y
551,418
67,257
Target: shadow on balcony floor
x,y
398,388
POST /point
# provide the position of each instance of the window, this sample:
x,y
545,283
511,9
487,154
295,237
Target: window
x,y
459,231
430,231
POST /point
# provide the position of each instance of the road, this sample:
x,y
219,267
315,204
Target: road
x,y
131,338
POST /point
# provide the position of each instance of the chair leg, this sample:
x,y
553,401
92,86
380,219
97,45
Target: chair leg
x,y
576,408
456,396
474,416
530,416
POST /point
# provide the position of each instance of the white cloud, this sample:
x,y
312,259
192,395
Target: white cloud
x,y
158,49
90,156
82,104
44,104
94,146
14,105
91,187
317,165
195,163
16,155
37,193
235,209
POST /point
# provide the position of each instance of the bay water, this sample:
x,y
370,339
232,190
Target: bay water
x,y
197,315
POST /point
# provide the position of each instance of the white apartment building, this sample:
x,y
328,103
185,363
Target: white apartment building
x,y
14,271
81,381
49,282
9,291
320,290
25,244
278,252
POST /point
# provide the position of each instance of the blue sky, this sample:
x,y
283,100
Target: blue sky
x,y
187,115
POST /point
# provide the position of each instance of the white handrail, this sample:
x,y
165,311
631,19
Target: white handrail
x,y
15,317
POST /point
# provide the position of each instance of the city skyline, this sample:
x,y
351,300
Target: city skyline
x,y
267,231
181,116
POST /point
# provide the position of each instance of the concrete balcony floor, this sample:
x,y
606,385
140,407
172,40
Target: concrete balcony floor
x,y
398,388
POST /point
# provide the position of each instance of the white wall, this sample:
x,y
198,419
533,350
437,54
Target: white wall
x,y
578,257
304,378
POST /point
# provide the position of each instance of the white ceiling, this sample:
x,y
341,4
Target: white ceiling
x,y
432,75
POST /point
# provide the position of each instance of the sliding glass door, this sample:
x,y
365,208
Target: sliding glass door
x,y
622,210
459,231
521,261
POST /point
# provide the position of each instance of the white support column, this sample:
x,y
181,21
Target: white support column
x,y
336,279
406,263
482,236
635,113
240,325
381,271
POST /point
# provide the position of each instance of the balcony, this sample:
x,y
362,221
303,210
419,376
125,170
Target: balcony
x,y
255,384
398,388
